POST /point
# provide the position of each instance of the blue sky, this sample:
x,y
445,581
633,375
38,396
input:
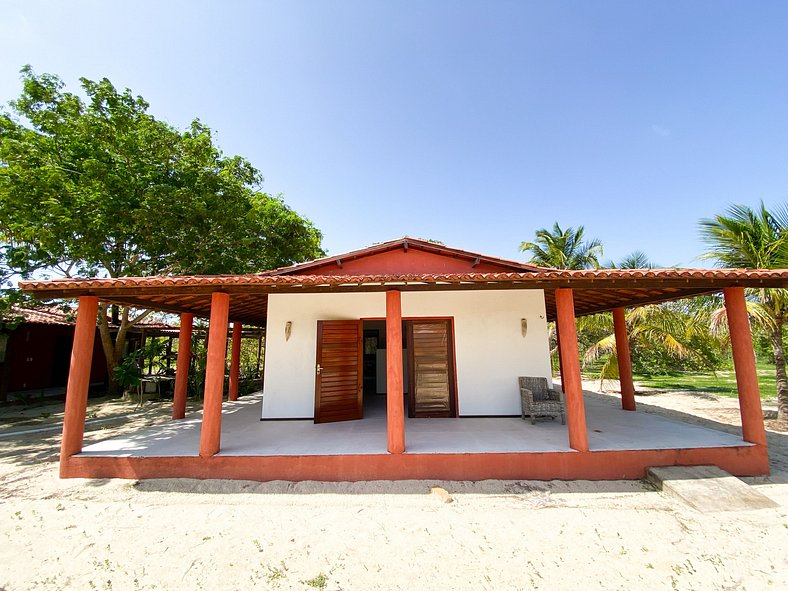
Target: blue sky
x,y
473,123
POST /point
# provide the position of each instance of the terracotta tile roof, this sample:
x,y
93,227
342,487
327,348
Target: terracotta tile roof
x,y
774,277
43,315
594,290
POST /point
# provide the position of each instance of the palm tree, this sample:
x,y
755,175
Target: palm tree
x,y
756,239
672,327
680,329
637,259
563,249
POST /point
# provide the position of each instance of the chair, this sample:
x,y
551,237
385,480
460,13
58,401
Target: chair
x,y
539,400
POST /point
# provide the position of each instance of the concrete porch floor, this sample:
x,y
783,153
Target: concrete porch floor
x,y
244,434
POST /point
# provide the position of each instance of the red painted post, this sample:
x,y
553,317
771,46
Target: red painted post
x,y
235,361
624,359
211,432
182,365
395,401
744,364
79,379
570,361
560,364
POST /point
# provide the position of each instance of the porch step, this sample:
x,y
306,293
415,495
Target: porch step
x,y
708,489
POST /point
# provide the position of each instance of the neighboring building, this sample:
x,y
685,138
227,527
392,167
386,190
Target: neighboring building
x,y
357,342
37,353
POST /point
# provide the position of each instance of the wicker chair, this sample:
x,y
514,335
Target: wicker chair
x,y
538,400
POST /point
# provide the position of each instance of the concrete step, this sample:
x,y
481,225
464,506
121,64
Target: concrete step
x,y
708,489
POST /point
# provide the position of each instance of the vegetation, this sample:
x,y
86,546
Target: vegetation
x,y
721,382
756,239
685,343
100,187
563,249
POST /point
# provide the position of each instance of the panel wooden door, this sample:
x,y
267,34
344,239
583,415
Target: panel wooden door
x,y
338,373
431,370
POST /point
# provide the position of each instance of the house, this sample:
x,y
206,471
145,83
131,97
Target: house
x,y
401,361
35,354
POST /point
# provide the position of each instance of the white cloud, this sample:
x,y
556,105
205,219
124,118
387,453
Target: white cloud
x,y
659,130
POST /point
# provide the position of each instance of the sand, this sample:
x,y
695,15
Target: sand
x,y
187,534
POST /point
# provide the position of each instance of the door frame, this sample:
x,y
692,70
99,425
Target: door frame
x,y
454,400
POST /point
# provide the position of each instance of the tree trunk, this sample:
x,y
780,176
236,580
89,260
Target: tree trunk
x,y
779,362
109,349
114,351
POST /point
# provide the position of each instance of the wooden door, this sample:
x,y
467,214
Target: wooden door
x,y
338,372
431,369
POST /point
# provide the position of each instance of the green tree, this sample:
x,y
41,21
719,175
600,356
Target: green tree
x,y
743,237
661,336
100,187
563,249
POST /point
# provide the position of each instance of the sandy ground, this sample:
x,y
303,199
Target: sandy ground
x,y
183,534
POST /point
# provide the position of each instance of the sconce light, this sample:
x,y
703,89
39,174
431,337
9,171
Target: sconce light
x,y
524,326
288,329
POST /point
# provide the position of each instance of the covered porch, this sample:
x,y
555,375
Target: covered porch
x,y
244,434
227,440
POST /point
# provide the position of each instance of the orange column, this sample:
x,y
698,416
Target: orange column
x,y
79,378
395,401
560,365
235,361
182,366
624,360
570,362
211,432
744,363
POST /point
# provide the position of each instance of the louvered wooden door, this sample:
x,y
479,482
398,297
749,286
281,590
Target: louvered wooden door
x,y
431,377
338,372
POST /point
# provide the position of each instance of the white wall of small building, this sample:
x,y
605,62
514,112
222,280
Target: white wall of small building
x,y
490,348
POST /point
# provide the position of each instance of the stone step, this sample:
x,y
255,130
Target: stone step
x,y
708,489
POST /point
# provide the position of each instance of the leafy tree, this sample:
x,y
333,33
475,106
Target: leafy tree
x,y
757,239
100,187
563,249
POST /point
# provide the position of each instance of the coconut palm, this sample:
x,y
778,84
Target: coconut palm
x,y
757,239
563,249
675,328
637,259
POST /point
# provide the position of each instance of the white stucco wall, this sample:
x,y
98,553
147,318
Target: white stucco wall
x,y
490,349
289,387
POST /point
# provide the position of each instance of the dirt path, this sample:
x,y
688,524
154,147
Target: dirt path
x,y
185,534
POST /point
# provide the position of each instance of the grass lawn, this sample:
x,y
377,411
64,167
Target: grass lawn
x,y
722,382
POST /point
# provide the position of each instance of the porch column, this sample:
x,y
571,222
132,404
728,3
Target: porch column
x,y
744,364
79,378
182,365
235,361
624,360
570,362
211,431
395,401
558,346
